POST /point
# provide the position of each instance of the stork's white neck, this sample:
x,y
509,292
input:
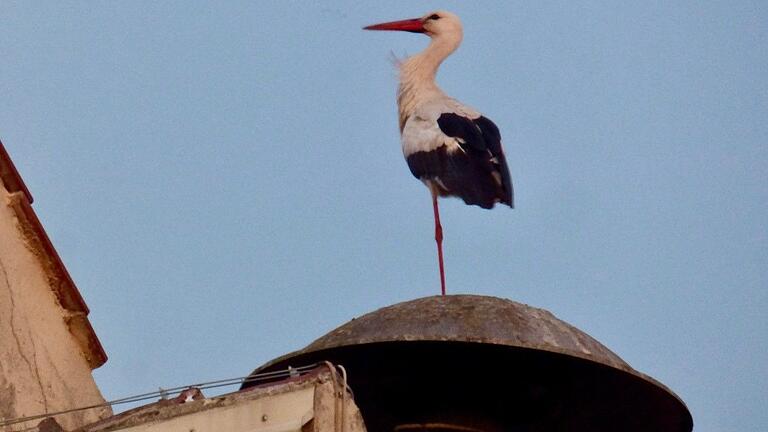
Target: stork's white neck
x,y
423,66
417,74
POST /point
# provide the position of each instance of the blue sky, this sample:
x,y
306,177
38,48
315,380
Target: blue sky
x,y
225,181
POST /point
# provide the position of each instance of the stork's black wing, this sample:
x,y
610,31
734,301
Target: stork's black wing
x,y
478,173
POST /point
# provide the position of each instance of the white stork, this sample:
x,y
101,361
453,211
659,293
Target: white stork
x,y
450,147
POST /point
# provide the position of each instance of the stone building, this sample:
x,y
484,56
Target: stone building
x,y
308,399
47,346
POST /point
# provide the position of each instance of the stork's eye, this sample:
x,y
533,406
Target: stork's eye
x,y
433,17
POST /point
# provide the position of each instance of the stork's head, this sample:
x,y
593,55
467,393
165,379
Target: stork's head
x,y
434,24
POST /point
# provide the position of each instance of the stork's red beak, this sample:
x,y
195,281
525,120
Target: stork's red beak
x,y
410,25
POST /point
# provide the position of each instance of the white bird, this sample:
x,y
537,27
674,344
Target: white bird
x,y
450,147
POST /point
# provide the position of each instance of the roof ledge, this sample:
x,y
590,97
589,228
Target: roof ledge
x,y
59,280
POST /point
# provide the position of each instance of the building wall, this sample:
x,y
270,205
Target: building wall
x,y
318,401
45,363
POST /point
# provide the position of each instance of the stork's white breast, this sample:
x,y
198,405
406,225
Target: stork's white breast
x,y
421,131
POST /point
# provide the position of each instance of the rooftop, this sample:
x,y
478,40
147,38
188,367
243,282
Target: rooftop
x,y
61,282
454,359
307,399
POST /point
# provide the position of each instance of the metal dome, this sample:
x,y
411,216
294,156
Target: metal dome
x,y
466,362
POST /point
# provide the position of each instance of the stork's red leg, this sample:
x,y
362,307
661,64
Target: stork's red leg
x,y
438,239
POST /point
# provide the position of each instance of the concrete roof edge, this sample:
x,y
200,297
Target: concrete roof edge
x,y
166,409
10,176
64,287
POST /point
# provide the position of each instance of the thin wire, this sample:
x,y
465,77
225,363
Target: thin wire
x,y
264,376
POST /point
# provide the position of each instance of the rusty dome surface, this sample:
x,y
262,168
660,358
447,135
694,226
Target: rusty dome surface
x,y
448,356
469,318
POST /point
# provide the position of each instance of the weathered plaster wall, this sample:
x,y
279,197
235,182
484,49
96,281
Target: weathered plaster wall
x,y
43,366
317,402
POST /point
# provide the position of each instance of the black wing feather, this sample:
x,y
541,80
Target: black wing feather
x,y
468,174
493,140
